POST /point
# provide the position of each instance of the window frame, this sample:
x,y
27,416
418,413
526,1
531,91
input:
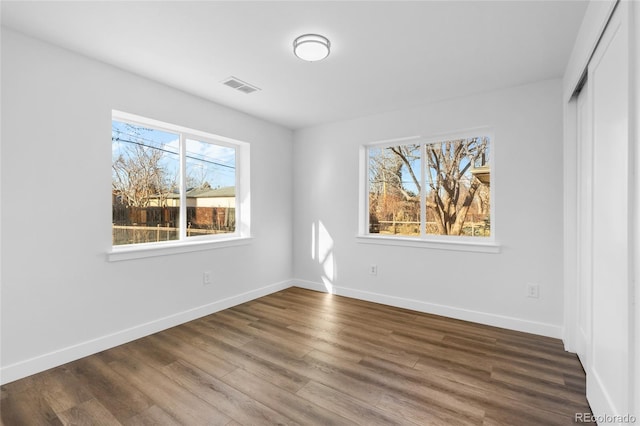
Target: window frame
x,y
184,243
444,242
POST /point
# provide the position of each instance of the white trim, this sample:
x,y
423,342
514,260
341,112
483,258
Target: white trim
x,y
61,356
502,321
21,369
634,199
182,181
595,20
173,128
141,251
597,391
462,134
570,225
444,244
363,190
423,191
433,138
243,189
386,143
593,24
242,194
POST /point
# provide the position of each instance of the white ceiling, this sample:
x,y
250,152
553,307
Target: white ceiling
x,y
386,55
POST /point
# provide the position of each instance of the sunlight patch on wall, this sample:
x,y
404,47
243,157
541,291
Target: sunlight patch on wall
x,y
313,241
322,252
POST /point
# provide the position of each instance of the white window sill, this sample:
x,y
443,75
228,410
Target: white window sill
x,y
140,251
459,245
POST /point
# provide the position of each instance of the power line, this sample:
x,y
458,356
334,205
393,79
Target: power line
x,y
117,139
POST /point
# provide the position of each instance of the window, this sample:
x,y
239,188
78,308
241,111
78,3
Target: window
x,y
172,184
430,189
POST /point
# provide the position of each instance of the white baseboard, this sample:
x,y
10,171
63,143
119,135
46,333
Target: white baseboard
x,y
44,362
511,323
25,368
600,400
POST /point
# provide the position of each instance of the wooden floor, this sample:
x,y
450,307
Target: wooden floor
x,y
303,357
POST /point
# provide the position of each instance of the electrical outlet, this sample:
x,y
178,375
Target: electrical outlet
x,y
373,270
533,291
206,278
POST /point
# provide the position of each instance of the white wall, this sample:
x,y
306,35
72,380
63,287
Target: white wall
x,y
61,298
488,288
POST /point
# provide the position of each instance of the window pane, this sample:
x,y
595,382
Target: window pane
x,y
144,184
394,190
458,187
211,188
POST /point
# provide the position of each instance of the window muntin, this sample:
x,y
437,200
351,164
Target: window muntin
x,y
168,185
425,189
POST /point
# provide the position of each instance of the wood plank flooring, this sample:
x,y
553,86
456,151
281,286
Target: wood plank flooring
x,y
303,357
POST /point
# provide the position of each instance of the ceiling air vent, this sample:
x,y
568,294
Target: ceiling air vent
x,y
240,85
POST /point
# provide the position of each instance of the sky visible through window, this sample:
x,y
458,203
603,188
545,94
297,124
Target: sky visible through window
x,y
155,200
210,163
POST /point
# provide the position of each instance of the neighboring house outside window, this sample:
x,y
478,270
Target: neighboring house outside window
x,y
172,184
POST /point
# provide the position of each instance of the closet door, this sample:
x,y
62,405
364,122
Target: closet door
x,y
608,367
584,226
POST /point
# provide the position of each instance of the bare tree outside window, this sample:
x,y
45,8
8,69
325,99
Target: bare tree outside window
x,y
146,185
456,185
145,167
394,190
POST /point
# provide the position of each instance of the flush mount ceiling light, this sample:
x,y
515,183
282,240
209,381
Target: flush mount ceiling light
x,y
311,47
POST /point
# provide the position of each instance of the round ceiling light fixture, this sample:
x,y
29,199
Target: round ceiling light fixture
x,y
311,47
